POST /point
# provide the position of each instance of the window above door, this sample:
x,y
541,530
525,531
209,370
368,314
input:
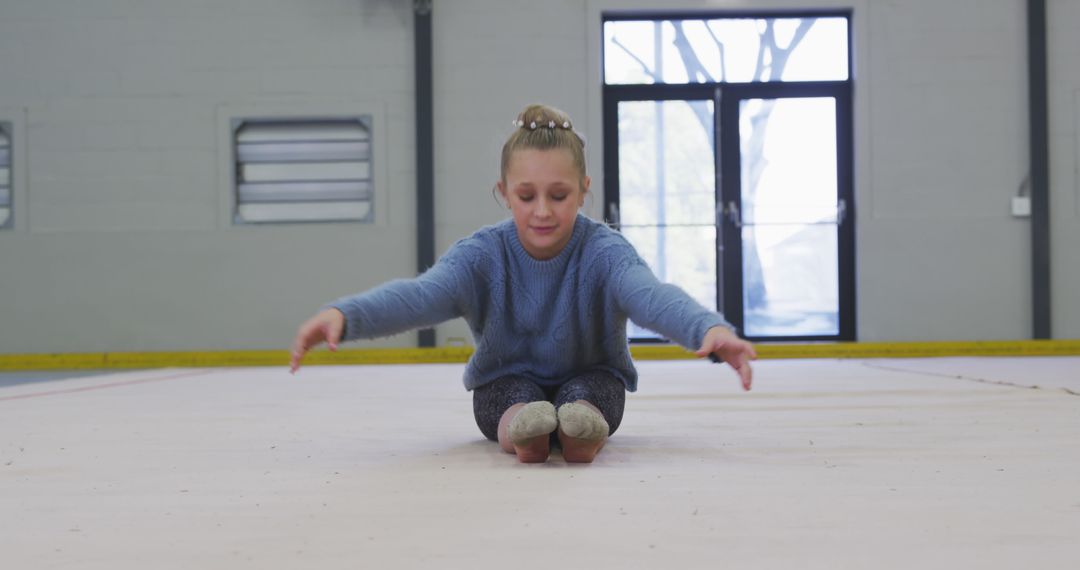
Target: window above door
x,y
673,49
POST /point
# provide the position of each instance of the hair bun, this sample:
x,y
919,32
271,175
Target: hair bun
x,y
542,116
542,127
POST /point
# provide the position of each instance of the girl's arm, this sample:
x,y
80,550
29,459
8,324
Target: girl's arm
x,y
668,310
404,304
394,307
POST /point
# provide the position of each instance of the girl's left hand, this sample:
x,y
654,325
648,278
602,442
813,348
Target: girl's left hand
x,y
731,349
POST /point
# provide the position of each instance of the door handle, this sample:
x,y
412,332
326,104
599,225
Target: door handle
x,y
732,211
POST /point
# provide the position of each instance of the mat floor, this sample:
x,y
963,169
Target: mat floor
x,y
915,463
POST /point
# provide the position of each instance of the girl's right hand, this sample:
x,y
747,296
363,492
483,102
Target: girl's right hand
x,y
326,326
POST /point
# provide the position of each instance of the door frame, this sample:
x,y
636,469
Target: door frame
x,y
727,168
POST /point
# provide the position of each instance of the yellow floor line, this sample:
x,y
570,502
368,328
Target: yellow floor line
x,y
129,360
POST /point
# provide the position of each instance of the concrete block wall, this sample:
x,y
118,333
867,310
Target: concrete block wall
x,y
122,241
1064,117
940,256
492,59
123,238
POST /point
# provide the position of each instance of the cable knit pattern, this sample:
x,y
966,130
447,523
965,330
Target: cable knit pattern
x,y
544,320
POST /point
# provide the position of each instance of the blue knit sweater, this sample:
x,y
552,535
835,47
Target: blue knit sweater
x,y
544,320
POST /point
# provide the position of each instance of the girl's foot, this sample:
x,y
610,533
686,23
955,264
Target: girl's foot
x,y
583,431
525,430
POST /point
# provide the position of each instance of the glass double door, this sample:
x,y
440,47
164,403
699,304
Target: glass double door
x,y
743,199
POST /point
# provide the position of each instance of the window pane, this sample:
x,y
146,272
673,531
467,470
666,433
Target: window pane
x,y
683,256
821,55
666,163
799,272
788,159
738,50
789,216
629,52
667,193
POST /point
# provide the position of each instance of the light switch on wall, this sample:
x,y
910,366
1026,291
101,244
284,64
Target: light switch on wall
x,y
1021,206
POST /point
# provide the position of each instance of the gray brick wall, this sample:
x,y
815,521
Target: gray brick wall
x,y
122,242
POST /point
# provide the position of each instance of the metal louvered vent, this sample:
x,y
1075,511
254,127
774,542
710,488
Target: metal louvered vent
x,y
316,170
5,175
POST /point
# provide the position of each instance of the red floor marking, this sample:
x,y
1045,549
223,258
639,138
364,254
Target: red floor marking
x,y
104,386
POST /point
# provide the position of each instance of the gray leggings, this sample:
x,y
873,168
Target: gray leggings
x,y
597,387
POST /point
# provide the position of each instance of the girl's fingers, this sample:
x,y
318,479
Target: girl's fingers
x,y
295,356
303,341
329,335
737,353
740,362
300,348
333,334
294,362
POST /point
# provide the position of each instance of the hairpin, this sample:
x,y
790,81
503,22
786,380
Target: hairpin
x,y
551,124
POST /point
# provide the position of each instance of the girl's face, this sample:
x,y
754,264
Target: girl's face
x,y
545,191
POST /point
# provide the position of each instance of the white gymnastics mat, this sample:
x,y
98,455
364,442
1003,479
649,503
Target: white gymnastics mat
x,y
920,463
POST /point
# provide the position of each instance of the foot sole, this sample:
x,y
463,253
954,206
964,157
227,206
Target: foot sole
x,y
583,431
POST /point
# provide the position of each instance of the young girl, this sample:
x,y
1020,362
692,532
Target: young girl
x,y
546,296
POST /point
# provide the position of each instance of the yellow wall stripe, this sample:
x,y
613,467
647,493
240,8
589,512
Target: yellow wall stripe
x,y
129,360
